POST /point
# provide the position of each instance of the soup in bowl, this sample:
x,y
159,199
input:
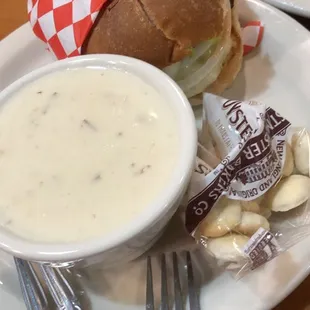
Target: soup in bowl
x,y
96,153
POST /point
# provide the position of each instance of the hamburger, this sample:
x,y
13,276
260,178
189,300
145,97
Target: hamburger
x,y
196,42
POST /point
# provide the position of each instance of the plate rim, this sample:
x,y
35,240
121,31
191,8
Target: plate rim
x,y
290,8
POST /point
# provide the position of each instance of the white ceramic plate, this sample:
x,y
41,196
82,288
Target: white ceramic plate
x,y
298,7
277,74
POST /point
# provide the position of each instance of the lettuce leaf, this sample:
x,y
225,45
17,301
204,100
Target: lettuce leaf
x,y
200,69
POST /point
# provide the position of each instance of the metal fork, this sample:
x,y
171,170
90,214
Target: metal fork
x,y
178,296
33,292
60,289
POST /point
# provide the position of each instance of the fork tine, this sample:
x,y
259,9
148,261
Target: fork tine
x,y
32,290
149,286
177,286
164,284
194,303
61,291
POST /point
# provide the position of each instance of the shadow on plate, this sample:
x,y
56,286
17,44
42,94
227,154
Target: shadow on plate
x,y
127,284
256,64
246,87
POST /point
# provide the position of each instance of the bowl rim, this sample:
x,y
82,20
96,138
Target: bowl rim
x,y
73,251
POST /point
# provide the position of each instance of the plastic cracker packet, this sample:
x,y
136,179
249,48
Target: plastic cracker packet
x,y
248,197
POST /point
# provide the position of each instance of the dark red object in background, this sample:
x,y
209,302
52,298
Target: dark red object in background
x,y
304,21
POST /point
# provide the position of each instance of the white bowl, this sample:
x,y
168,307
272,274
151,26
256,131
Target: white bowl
x,y
136,237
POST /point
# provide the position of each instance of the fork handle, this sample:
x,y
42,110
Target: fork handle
x,y
61,291
32,291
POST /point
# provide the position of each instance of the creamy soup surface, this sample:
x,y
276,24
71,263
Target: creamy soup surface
x,y
82,153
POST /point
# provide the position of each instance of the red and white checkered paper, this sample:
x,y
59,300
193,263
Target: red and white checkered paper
x,y
64,24
252,35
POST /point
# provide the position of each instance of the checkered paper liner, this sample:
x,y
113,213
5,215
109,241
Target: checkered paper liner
x,y
252,35
64,24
